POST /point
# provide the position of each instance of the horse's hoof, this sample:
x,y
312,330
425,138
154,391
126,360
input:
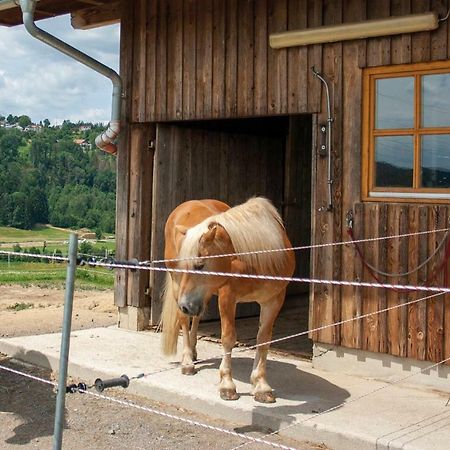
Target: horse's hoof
x,y
188,370
229,394
265,397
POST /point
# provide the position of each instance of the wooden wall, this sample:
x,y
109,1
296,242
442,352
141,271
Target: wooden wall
x,y
206,59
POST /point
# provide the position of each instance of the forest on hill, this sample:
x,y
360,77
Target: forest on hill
x,y
56,175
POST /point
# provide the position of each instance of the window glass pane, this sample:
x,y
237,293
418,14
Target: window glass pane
x,y
436,161
394,103
435,100
394,159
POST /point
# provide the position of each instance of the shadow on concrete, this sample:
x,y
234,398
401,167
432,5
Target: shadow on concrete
x,y
32,402
297,391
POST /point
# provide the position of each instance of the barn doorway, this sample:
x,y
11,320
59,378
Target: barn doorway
x,y
233,160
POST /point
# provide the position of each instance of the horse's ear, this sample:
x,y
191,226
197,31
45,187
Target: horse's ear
x,y
209,236
181,229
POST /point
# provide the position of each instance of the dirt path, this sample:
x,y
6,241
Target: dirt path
x,y
27,406
43,310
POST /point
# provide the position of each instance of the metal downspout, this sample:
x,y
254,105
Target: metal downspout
x,y
106,140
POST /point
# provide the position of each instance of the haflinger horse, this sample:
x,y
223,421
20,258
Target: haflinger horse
x,y
199,229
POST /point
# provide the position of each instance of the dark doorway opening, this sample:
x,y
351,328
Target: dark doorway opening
x,y
233,160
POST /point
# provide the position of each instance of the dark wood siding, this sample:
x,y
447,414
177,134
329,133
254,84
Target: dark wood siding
x,y
196,162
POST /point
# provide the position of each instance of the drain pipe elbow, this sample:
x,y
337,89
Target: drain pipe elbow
x,y
106,140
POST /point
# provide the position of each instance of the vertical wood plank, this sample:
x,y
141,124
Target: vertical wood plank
x,y
439,37
161,62
141,181
435,306
203,102
277,59
415,333
382,259
354,57
403,268
139,61
422,280
370,337
175,59
123,154
218,69
393,267
150,76
397,263
245,58
260,64
401,45
315,8
189,58
420,42
297,59
379,49
231,59
351,332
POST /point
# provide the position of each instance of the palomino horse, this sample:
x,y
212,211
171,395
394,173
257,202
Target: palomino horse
x,y
200,228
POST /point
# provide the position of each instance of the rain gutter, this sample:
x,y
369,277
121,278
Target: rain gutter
x,y
106,140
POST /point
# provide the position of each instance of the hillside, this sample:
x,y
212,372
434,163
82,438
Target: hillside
x,y
54,174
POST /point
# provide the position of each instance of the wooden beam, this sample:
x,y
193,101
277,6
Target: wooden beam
x,y
96,16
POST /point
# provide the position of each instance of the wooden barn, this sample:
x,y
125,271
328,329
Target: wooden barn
x,y
335,110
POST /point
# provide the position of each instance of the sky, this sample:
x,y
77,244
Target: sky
x,y
38,81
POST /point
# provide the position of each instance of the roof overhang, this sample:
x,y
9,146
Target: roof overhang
x,y
85,13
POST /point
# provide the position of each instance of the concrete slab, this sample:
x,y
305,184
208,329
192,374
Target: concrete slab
x,y
395,416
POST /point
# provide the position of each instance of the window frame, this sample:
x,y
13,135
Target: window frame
x,y
369,133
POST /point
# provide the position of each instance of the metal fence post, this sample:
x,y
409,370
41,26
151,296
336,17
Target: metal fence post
x,y
65,342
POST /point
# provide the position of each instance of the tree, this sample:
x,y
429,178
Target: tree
x,y
24,121
46,123
9,145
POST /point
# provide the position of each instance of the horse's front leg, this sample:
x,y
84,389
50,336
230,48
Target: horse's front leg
x,y
187,356
193,336
269,311
227,308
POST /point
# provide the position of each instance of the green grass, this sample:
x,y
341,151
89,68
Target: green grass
x,y
20,306
39,233
54,275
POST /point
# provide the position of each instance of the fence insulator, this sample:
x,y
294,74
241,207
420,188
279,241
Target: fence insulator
x,y
101,385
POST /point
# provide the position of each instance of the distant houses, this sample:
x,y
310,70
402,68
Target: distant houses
x,y
32,127
83,143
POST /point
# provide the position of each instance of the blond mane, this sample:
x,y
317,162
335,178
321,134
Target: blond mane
x,y
255,225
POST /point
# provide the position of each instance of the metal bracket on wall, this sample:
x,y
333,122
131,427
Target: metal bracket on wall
x,y
322,150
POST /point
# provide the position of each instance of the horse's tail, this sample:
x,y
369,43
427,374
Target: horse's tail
x,y
169,319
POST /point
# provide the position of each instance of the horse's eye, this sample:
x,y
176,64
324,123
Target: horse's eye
x,y
199,266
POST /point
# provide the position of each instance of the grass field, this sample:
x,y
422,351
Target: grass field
x,y
54,275
34,272
37,234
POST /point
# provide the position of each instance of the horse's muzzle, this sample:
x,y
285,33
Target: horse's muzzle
x,y
191,304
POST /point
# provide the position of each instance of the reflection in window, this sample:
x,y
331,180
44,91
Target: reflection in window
x,y
435,100
435,169
394,160
394,103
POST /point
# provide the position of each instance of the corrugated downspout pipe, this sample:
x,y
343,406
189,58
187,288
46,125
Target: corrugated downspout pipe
x,y
106,140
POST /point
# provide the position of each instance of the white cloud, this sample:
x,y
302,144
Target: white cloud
x,y
38,81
